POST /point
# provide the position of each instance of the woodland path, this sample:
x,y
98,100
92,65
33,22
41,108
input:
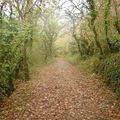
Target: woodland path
x,y
60,91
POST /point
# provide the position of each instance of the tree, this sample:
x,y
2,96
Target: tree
x,y
25,11
106,22
18,20
93,15
49,33
117,18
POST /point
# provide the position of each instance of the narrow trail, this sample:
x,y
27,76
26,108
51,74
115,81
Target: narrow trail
x,y
60,91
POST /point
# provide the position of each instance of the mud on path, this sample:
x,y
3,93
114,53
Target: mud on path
x,y
60,91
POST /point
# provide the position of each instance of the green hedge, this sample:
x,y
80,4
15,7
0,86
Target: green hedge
x,y
109,68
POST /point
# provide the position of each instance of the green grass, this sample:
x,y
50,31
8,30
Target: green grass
x,y
86,64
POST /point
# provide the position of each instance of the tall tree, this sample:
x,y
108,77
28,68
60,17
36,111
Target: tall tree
x,y
117,15
106,22
93,15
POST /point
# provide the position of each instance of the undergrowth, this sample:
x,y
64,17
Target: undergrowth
x,y
108,68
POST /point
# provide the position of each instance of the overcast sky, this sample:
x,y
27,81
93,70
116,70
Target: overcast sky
x,y
64,5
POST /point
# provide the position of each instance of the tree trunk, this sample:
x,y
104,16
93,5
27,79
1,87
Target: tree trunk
x,y
93,14
96,41
78,44
25,63
117,19
106,21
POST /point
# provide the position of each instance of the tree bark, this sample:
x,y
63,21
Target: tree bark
x,y
25,63
78,44
117,19
93,14
106,21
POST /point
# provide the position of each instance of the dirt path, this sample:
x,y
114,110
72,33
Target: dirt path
x,y
60,91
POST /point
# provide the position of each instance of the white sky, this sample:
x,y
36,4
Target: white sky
x,y
63,19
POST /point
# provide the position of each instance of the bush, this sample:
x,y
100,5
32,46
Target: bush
x,y
109,68
73,59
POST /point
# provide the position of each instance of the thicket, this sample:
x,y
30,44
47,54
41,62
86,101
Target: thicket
x,y
27,29
96,38
109,68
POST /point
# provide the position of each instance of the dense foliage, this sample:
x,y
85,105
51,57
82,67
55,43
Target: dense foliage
x,y
95,34
27,30
109,68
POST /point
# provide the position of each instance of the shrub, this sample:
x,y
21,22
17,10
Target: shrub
x,y
109,68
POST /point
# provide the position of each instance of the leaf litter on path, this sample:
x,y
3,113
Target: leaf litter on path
x,y
60,91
